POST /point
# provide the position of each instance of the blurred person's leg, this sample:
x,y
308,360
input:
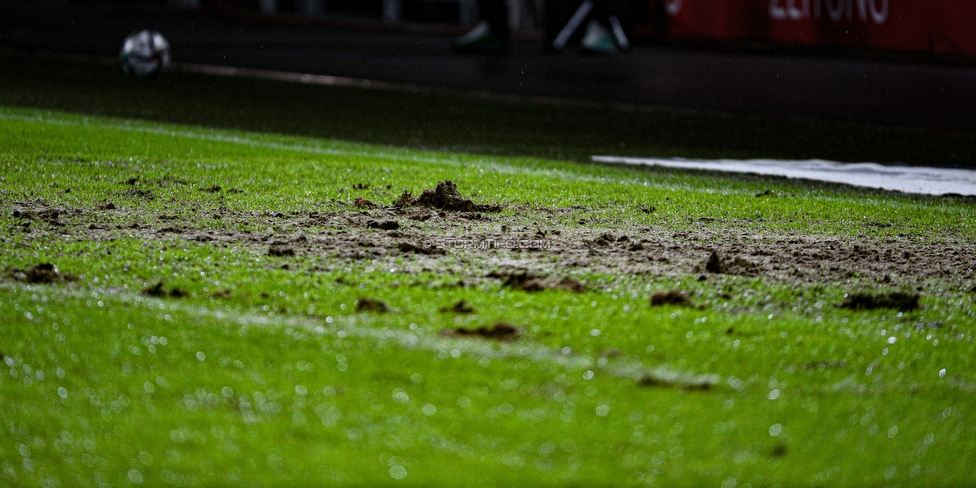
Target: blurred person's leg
x,y
490,34
596,26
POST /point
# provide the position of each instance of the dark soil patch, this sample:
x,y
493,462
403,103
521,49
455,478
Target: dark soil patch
x,y
500,331
372,305
415,249
714,263
903,302
525,281
221,294
279,250
49,215
779,450
460,307
159,291
444,197
656,381
44,273
672,297
386,225
361,202
212,189
733,266
852,261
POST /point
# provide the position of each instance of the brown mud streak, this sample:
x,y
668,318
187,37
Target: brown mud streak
x,y
500,331
323,236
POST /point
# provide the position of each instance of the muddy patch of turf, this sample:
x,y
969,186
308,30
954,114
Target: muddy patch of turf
x,y
365,304
591,249
410,248
43,273
385,225
361,202
444,197
280,250
159,291
651,380
903,302
461,306
671,297
499,331
737,265
530,282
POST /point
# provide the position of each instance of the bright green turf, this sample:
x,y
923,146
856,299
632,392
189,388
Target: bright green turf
x,y
284,383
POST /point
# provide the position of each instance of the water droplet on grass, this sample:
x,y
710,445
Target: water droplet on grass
x,y
400,396
398,472
135,476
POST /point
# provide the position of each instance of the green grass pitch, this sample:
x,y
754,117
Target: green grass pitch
x,y
200,324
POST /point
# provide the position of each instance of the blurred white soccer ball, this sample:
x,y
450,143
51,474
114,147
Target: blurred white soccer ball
x,y
144,54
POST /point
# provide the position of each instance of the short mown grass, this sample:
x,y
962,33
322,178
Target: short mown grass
x,y
279,380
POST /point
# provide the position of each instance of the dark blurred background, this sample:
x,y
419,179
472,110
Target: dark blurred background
x,y
870,66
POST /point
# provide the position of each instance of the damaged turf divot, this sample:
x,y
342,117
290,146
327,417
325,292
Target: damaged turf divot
x,y
444,197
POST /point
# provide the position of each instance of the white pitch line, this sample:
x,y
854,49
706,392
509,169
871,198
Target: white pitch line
x,y
347,326
146,127
909,179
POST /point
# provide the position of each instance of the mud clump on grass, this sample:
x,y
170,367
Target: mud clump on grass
x,y
225,293
651,380
364,304
407,247
903,302
159,291
500,331
385,225
525,281
444,197
43,274
672,297
716,264
521,281
361,202
461,306
279,250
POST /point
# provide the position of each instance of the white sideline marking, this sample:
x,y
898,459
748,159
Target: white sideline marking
x,y
909,179
216,135
347,326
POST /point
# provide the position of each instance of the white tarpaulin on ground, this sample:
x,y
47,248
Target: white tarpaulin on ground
x,y
909,179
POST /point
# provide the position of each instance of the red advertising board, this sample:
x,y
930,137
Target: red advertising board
x,y
943,26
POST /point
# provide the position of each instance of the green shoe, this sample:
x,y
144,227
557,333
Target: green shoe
x,y
597,40
481,40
